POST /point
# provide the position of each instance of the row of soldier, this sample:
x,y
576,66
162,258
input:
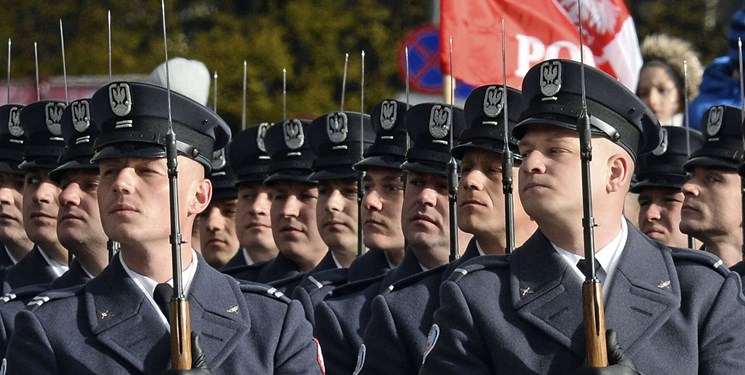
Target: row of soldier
x,y
402,306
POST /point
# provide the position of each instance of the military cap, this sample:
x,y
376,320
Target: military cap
x,y
663,167
290,152
42,127
222,177
338,140
389,147
12,141
552,92
429,126
79,133
485,120
723,139
133,117
247,154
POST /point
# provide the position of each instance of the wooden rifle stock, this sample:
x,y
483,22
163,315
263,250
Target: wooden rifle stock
x,y
180,334
594,317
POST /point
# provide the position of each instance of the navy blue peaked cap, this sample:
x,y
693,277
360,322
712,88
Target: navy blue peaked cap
x,y
338,140
485,120
723,139
133,117
389,148
552,92
42,126
247,154
663,167
222,177
429,126
290,152
12,141
79,133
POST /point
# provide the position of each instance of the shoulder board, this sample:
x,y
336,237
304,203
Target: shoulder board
x,y
415,279
480,263
697,256
262,290
52,295
318,280
24,292
356,286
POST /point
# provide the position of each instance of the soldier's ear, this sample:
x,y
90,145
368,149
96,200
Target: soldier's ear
x,y
620,170
202,196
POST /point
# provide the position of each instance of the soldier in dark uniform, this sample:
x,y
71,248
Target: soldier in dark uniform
x,y
119,328
79,226
481,200
293,212
44,143
219,241
253,225
342,316
338,140
659,176
712,209
395,326
14,242
522,313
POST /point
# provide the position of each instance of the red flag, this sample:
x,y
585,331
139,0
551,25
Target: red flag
x,y
536,30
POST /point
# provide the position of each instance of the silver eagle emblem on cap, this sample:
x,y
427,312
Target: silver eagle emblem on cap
x,y
218,159
120,98
714,123
53,112
388,114
337,127
81,115
440,119
14,122
493,101
662,148
260,135
294,136
550,78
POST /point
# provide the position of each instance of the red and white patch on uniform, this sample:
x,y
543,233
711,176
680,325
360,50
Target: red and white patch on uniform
x,y
319,356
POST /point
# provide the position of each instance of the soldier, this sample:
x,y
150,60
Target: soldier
x,y
338,140
253,225
79,226
217,234
532,321
44,143
481,200
659,176
343,315
293,212
395,330
712,209
244,328
14,242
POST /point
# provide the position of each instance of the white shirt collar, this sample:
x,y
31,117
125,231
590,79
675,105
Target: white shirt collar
x,y
387,259
12,258
147,285
608,258
478,247
57,268
249,261
338,265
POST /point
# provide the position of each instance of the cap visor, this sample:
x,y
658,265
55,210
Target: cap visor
x,y
426,168
129,150
382,161
707,161
56,174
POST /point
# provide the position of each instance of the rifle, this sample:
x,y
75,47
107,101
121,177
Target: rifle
x,y
741,169
452,171
179,318
592,289
361,174
507,162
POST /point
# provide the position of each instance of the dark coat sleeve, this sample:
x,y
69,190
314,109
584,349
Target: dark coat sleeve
x,y
29,350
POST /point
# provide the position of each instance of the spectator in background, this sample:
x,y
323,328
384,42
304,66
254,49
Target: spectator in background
x,y
721,82
662,77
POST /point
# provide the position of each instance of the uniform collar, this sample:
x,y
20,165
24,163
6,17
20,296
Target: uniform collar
x,y
57,268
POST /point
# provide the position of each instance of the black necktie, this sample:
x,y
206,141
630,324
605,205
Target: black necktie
x,y
162,296
582,263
